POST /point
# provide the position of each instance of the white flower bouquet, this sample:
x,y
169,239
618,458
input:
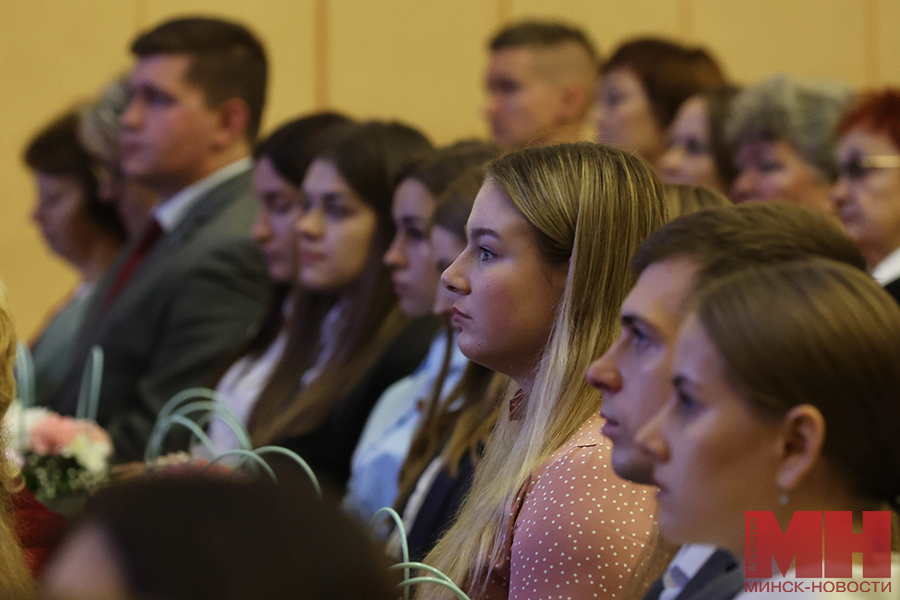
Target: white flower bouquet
x,y
59,456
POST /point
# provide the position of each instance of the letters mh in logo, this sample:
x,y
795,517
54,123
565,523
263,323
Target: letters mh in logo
x,y
764,540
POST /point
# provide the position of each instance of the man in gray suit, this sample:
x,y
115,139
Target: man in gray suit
x,y
635,374
181,297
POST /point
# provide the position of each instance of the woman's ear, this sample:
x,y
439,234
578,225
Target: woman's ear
x,y
801,445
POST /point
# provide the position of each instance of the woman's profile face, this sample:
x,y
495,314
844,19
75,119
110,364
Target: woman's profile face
x,y
775,170
61,213
506,291
447,246
335,230
274,227
625,117
867,194
689,158
714,456
410,254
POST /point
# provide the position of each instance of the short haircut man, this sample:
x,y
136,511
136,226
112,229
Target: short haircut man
x,y
226,61
540,84
674,263
179,299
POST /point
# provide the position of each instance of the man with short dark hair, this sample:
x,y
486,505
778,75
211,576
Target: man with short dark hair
x,y
635,374
181,297
540,84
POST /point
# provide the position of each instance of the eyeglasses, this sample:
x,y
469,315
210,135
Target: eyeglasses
x,y
859,166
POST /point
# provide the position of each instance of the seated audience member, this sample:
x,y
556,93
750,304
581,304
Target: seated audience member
x,y
683,199
77,226
764,364
385,440
698,152
100,133
540,83
783,134
635,374
348,339
281,161
28,530
437,472
546,265
867,193
642,86
207,538
182,297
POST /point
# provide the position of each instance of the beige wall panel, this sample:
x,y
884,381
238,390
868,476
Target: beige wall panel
x,y
52,53
608,21
888,50
808,38
285,27
417,61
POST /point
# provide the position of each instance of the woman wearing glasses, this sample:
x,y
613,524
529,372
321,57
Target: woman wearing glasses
x,y
867,193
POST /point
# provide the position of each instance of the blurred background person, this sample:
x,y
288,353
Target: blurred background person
x,y
280,164
783,134
436,474
699,153
79,227
100,133
207,538
348,339
539,83
867,193
385,441
641,87
682,199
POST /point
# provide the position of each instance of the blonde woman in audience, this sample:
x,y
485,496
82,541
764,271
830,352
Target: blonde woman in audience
x,y
786,382
15,579
538,286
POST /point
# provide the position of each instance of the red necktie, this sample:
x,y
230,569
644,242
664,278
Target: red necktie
x,y
151,233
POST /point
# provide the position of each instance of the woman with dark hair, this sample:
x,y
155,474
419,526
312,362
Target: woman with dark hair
x,y
281,161
867,193
347,339
212,538
698,152
385,440
455,425
86,232
643,84
786,384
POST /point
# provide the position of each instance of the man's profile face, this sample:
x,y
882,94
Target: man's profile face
x,y
523,105
635,374
169,132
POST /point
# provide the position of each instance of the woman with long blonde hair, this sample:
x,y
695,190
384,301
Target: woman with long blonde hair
x,y
539,285
15,579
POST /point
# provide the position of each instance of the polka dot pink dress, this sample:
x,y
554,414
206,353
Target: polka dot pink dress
x,y
576,530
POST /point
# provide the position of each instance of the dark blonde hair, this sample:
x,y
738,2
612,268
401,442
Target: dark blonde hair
x,y
590,205
821,333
